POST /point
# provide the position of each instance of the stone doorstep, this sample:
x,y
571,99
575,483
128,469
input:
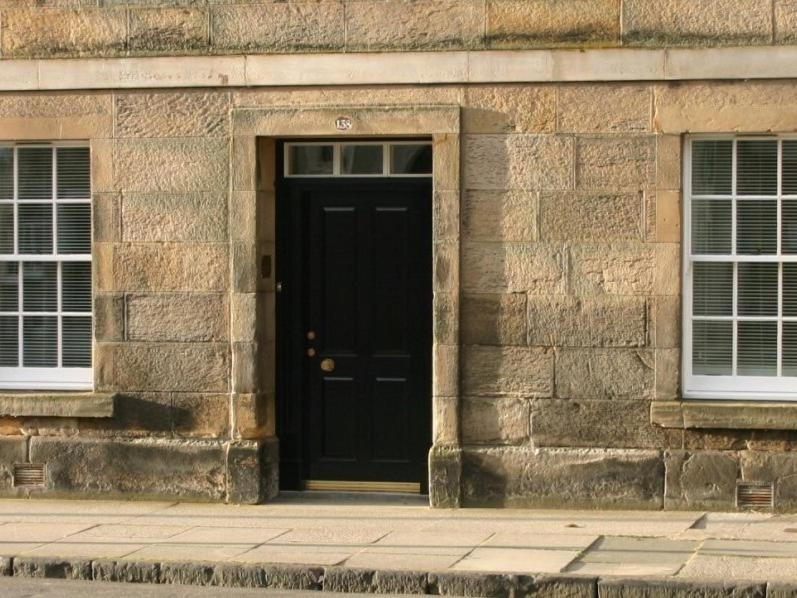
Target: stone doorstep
x,y
343,579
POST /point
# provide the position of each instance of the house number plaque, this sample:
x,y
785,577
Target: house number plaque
x,y
343,123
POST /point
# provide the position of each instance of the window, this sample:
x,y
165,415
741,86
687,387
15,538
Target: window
x,y
358,159
45,267
740,268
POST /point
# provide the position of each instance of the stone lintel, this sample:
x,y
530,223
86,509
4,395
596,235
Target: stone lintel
x,y
726,415
57,404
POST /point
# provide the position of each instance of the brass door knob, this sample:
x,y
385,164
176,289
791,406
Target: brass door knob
x,y
328,365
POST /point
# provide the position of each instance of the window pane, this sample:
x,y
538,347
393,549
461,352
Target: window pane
x,y
711,227
40,341
789,365
35,228
35,173
713,289
74,228
712,167
712,348
76,342
311,159
757,167
788,216
758,289
39,286
789,175
6,228
362,159
73,173
9,286
756,227
6,173
9,341
411,159
790,289
757,349
76,286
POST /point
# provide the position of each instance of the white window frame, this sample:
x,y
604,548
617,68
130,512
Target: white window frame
x,y
337,159
748,388
49,378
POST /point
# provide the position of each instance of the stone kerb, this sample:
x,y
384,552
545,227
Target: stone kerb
x,y
252,205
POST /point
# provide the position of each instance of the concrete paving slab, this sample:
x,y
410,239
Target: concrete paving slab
x,y
749,548
732,567
542,541
332,537
193,551
516,560
572,525
297,555
96,550
434,538
402,561
76,511
655,551
39,532
220,535
143,533
622,569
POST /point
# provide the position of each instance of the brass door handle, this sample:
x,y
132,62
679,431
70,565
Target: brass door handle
x,y
328,365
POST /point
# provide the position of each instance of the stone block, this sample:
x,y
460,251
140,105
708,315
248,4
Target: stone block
x,y
666,328
605,374
37,33
243,473
253,415
461,583
668,216
373,25
348,95
278,27
186,367
495,421
607,217
715,107
445,215
166,267
507,371
190,574
705,23
492,319
587,321
505,216
604,108
785,21
109,316
668,269
671,588
445,266
200,415
144,469
563,478
167,30
173,114
616,269
550,23
600,424
445,420
445,370
177,317
780,468
668,161
512,268
446,161
445,469
125,571
102,169
12,450
190,217
170,165
446,319
509,109
700,480
52,567
531,162
668,373
615,162
106,221
31,107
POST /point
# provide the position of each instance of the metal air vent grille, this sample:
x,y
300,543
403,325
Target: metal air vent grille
x,y
755,495
28,475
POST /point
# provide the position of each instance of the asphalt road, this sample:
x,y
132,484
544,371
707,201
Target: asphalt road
x,y
21,587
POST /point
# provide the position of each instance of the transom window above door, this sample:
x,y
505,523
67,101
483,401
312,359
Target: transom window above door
x,y
45,267
358,159
740,268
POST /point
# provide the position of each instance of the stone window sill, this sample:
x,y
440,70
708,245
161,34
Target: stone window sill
x,y
726,415
56,404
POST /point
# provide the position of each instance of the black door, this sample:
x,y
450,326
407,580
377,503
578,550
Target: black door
x,y
354,357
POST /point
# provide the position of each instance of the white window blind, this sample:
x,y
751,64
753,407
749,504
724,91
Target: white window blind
x,y
45,267
740,275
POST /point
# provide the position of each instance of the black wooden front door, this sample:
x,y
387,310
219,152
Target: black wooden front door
x,y
354,357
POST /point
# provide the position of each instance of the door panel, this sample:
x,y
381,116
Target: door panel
x,y
363,286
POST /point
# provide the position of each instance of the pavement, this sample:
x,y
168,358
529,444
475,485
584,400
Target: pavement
x,y
398,545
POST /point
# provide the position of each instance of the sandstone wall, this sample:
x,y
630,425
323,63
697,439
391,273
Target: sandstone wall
x,y
61,28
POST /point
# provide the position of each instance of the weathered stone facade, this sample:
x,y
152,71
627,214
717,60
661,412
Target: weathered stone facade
x,y
557,234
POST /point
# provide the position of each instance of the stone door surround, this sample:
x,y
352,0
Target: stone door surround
x,y
252,286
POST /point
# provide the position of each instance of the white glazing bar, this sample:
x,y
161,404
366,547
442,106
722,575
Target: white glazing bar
x,y
735,331
780,265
